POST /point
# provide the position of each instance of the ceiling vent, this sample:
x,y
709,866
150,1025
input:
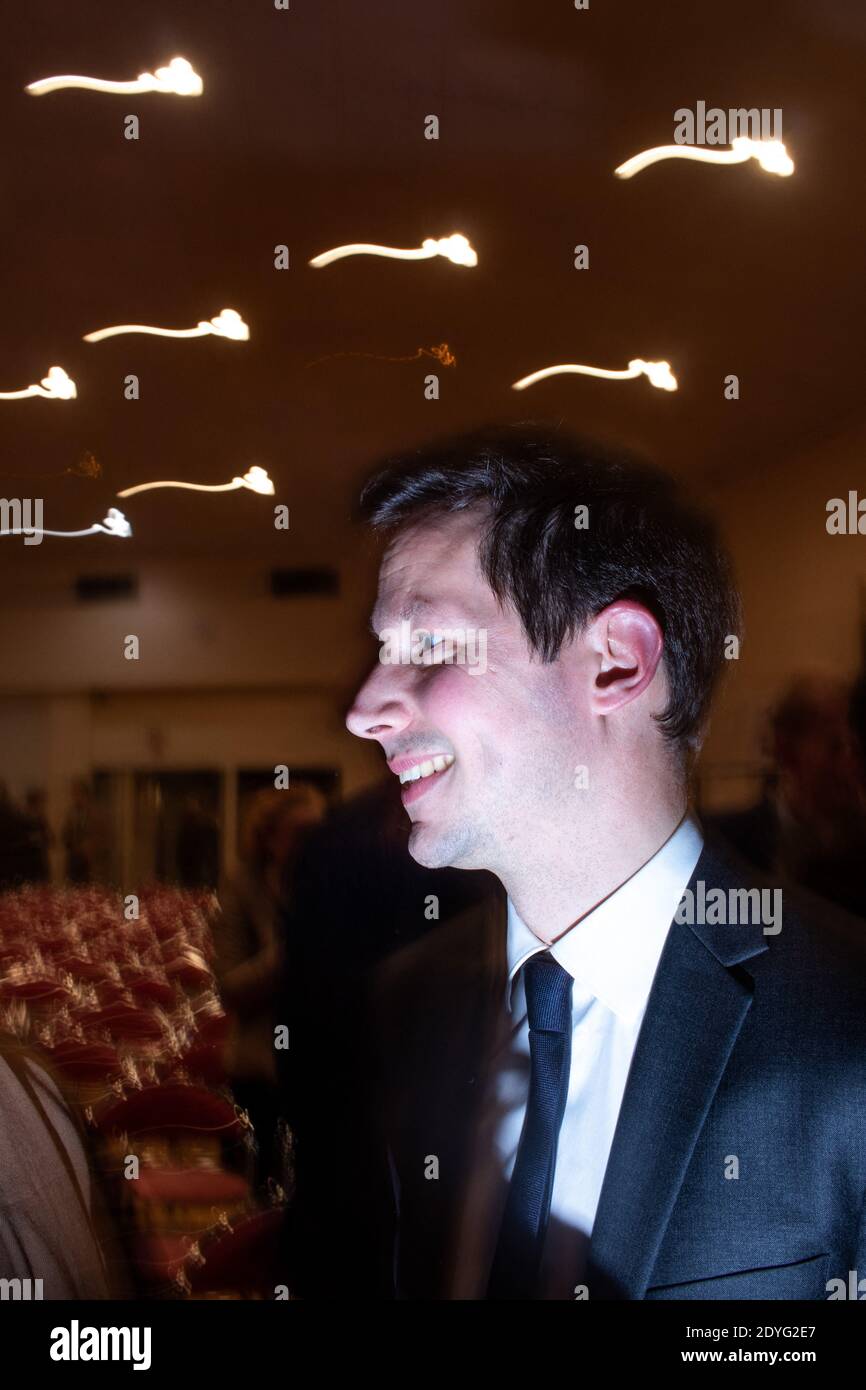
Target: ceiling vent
x,y
96,588
304,583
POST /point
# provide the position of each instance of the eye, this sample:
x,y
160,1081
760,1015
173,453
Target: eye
x,y
434,648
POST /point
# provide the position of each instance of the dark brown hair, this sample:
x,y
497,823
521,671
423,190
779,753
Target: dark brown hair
x,y
643,540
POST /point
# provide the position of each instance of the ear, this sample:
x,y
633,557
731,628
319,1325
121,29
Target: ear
x,y
627,644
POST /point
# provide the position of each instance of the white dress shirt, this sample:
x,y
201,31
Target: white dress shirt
x,y
612,954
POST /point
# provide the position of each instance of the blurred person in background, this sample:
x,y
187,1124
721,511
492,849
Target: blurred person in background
x,y
809,827
81,833
358,897
54,1224
37,838
249,951
857,716
198,846
17,862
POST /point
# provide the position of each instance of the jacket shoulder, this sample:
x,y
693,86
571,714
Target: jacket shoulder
x,y
816,952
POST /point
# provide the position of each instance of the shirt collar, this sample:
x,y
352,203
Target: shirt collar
x,y
614,950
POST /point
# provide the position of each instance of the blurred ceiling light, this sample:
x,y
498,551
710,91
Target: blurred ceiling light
x,y
770,154
177,79
658,373
226,324
56,386
255,479
114,523
454,248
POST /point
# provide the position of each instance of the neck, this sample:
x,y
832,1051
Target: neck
x,y
562,875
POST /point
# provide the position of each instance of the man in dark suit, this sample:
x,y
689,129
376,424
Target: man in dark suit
x,y
635,1072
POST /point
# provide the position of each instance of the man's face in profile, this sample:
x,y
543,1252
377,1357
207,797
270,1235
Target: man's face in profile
x,y
508,728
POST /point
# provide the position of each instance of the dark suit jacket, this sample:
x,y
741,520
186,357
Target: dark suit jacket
x,y
356,897
753,1046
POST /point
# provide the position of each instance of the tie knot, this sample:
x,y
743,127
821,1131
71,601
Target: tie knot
x,y
548,994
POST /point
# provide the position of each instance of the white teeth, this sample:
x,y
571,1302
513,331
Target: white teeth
x,y
427,768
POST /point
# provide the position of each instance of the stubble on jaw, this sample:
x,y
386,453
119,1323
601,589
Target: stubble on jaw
x,y
448,846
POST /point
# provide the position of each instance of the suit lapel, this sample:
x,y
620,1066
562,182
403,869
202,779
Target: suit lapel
x,y
695,1010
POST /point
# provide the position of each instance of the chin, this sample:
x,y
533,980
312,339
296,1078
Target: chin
x,y
441,849
426,851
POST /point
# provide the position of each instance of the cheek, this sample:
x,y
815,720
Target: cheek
x,y
488,695
450,699
495,714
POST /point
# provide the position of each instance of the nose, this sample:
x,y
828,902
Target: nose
x,y
381,707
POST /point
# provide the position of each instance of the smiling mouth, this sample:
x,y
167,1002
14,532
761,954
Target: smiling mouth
x,y
428,768
416,781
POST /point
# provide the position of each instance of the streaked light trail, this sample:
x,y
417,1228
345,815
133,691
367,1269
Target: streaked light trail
x,y
255,479
771,155
56,386
658,374
177,79
454,248
114,523
226,324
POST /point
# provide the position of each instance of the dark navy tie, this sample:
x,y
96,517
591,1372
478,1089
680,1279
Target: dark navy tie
x,y
517,1260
